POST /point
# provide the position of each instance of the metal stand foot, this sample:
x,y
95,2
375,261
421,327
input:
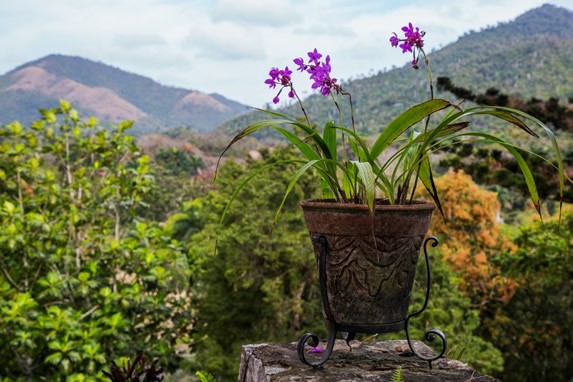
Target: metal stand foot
x,y
312,341
432,333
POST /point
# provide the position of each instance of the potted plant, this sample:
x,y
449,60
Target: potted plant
x,y
367,228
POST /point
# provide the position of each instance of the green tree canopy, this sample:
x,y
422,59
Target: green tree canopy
x,y
534,329
260,284
83,278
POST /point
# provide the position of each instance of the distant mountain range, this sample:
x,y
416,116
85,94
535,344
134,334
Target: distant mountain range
x,y
531,56
110,94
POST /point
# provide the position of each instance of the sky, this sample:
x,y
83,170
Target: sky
x,y
228,46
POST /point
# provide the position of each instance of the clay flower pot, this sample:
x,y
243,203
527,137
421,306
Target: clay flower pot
x,y
370,260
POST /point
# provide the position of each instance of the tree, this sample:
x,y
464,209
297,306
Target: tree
x,y
534,328
84,279
260,282
470,237
179,161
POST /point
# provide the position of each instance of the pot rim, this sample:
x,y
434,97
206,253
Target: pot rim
x,y
380,204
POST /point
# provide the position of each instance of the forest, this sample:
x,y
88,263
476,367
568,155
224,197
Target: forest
x,y
113,247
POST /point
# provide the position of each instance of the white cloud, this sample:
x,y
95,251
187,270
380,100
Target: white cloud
x,y
134,41
276,13
225,41
325,30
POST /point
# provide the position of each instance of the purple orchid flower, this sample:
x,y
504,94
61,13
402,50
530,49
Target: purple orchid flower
x,y
412,42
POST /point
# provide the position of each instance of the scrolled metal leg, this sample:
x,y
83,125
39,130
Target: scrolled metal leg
x,y
431,334
312,340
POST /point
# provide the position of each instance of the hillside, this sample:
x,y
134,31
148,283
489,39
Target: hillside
x,y
110,94
527,57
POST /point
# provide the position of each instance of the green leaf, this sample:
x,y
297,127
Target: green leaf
x,y
115,321
84,276
511,115
74,115
124,125
15,128
65,105
205,376
54,358
404,121
35,218
292,183
92,121
397,375
525,170
368,181
326,191
12,230
304,148
329,137
349,180
502,114
74,356
38,125
105,292
9,207
49,116
322,150
427,179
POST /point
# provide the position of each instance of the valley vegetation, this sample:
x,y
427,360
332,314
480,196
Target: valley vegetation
x,y
108,250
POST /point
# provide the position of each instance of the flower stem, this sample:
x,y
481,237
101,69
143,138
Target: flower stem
x,y
301,105
430,81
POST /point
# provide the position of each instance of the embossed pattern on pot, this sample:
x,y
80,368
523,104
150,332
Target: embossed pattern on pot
x,y
371,260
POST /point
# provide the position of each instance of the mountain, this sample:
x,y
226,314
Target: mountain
x,y
530,56
110,94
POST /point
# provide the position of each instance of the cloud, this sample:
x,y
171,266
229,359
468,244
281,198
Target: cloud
x,y
133,41
321,29
277,13
225,41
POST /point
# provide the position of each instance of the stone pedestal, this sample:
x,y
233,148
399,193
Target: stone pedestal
x,y
376,361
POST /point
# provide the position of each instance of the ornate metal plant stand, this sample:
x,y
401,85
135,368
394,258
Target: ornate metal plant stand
x,y
351,330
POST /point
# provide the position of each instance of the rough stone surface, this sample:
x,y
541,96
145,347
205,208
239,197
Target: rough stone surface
x,y
376,361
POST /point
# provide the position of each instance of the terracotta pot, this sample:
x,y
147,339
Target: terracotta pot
x,y
370,260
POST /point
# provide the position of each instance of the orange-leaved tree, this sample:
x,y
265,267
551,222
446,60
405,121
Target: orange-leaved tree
x,y
470,236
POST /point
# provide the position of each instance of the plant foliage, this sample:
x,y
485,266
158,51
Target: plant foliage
x,y
398,375
533,329
141,369
83,277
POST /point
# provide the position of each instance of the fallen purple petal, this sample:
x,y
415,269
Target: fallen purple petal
x,y
317,349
